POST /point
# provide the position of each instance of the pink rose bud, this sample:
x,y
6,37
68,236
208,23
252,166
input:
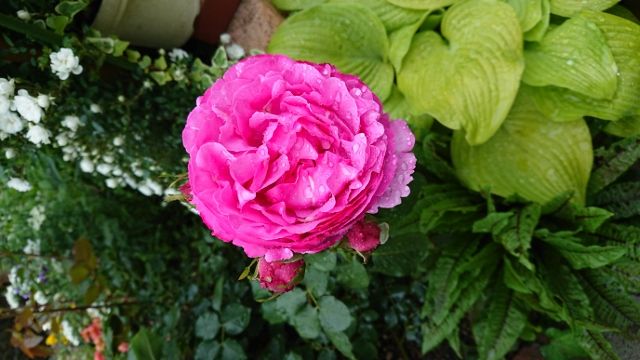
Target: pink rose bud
x,y
123,347
364,236
278,276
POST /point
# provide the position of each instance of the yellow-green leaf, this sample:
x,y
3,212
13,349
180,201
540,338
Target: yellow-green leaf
x,y
569,8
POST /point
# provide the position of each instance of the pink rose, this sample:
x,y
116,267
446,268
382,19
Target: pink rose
x,y
123,347
364,236
278,276
285,156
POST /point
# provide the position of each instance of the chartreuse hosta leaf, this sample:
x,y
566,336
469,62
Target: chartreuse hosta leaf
x,y
400,42
467,80
398,108
292,5
569,8
347,35
530,156
529,12
537,32
393,17
623,38
423,4
625,127
575,56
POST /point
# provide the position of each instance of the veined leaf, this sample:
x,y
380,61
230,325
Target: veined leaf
x,y
502,324
595,345
578,255
529,12
623,38
623,199
347,35
393,17
469,79
574,55
612,305
617,159
625,127
400,42
529,156
566,287
538,31
398,108
618,234
293,5
568,8
527,282
423,4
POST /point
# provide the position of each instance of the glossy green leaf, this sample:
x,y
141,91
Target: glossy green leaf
x,y
530,156
145,345
207,326
529,12
235,318
341,341
306,322
537,32
393,17
349,36
232,350
623,38
71,8
353,274
289,302
334,314
323,261
316,280
568,8
625,127
423,4
469,79
575,56
207,350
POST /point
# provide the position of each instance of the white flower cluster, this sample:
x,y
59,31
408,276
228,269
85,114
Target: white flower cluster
x,y
20,110
37,217
64,63
234,51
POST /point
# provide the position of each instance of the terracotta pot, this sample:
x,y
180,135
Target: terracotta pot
x,y
214,19
153,23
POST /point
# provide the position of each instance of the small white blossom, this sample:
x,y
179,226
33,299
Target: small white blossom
x,y
32,247
43,101
235,51
7,87
27,106
118,140
64,62
225,38
161,51
40,298
145,190
12,298
147,84
37,217
38,135
19,184
108,158
10,123
23,15
62,139
104,169
111,183
86,165
129,180
71,122
178,54
69,333
5,104
121,98
95,108
9,153
117,171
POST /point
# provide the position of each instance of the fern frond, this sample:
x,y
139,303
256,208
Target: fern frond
x,y
615,160
596,345
623,199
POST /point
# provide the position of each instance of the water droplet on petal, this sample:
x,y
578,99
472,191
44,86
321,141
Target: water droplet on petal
x,y
356,92
322,189
570,62
356,147
308,193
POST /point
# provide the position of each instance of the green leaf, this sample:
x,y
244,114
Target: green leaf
x,y
216,299
574,55
538,31
469,79
78,273
207,326
612,305
105,44
207,350
272,313
353,274
393,17
290,302
220,58
323,261
398,108
568,8
400,42
334,314
232,350
58,23
529,13
316,281
294,5
423,4
529,156
145,345
623,38
526,282
595,345
618,158
70,8
307,323
563,346
589,218
347,35
625,127
341,342
235,318
400,255
500,328
578,255
564,285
